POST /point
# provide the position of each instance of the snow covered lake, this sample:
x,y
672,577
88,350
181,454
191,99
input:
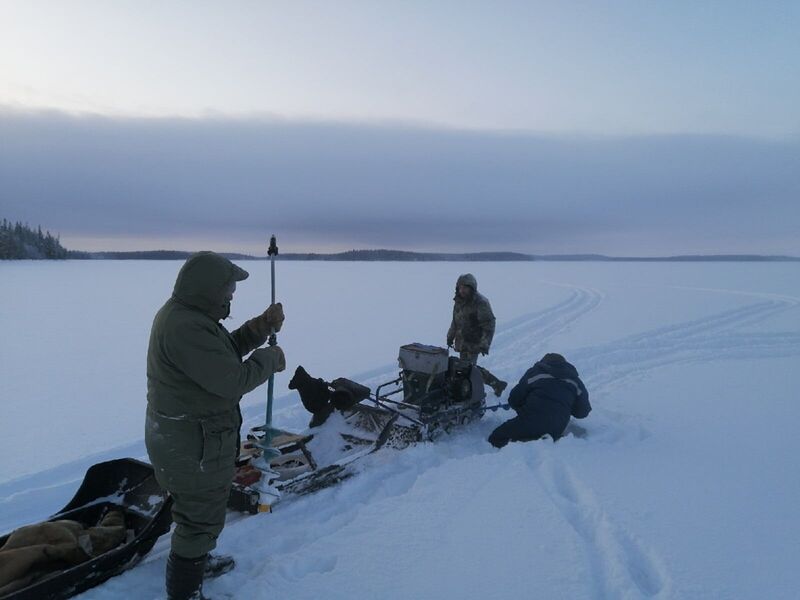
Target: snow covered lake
x,y
687,485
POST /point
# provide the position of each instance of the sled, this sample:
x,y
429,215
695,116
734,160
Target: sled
x,y
126,485
433,394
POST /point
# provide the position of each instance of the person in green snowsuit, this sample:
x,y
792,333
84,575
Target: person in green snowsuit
x,y
472,328
196,374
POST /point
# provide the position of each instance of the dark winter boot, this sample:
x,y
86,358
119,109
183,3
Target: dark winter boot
x,y
497,439
498,387
493,382
218,564
185,577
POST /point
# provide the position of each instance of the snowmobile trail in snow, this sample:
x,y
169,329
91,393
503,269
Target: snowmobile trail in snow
x,y
518,341
621,566
715,337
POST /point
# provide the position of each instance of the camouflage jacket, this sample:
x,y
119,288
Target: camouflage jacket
x,y
472,327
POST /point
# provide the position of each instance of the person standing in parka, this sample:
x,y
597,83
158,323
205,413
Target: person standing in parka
x,y
549,393
472,328
196,375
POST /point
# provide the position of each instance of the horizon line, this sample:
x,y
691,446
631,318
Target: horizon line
x,y
450,256
277,119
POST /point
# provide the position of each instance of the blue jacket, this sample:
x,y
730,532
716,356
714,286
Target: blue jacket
x,y
551,391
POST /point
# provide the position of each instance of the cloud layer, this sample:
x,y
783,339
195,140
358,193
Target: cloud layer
x,y
228,183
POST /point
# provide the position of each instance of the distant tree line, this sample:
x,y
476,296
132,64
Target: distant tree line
x,y
19,241
135,255
149,255
406,256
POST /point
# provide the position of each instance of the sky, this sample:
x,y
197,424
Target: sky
x,y
627,128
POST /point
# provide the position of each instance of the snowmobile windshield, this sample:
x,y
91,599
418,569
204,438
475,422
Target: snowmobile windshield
x,y
205,281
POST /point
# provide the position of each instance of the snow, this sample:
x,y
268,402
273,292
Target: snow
x,y
685,487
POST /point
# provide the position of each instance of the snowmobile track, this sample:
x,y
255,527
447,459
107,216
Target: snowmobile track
x,y
621,566
718,336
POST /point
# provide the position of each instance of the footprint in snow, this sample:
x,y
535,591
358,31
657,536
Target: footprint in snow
x,y
295,570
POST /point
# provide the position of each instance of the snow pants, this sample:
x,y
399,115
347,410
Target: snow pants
x,y
194,461
199,516
528,426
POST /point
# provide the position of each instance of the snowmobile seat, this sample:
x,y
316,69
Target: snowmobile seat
x,y
347,393
125,485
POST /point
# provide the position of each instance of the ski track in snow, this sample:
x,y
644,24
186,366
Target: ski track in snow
x,y
621,565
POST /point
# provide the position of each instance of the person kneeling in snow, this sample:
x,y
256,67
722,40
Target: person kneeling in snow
x,y
544,399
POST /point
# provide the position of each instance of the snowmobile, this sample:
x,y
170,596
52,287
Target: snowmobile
x,y
125,485
432,394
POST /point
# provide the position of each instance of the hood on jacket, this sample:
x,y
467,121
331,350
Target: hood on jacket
x,y
557,366
467,279
204,282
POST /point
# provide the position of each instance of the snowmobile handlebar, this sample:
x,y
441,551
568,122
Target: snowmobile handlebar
x,y
387,384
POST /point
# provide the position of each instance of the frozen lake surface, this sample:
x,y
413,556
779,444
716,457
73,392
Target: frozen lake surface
x,y
686,486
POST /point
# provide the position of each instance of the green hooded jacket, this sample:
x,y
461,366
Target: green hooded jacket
x,y
196,376
472,327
